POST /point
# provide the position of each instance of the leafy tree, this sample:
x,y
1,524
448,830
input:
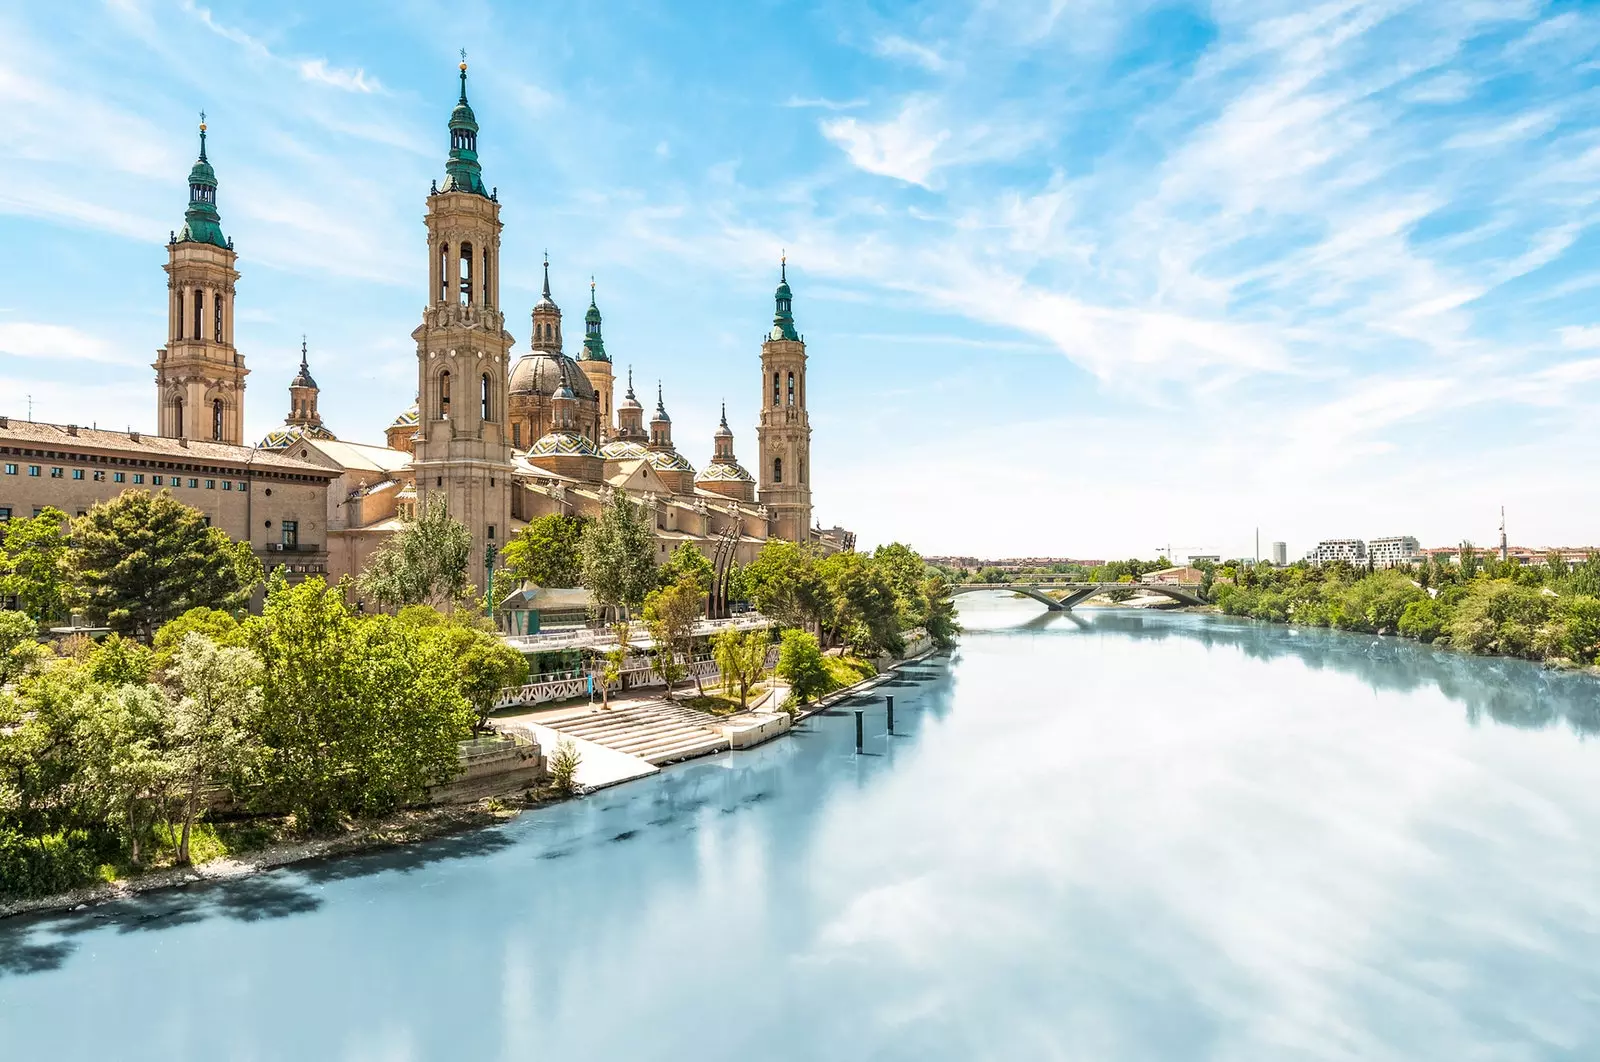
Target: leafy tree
x,y
425,562
1497,616
143,559
619,565
687,561
1425,619
564,763
785,585
939,612
356,715
738,583
865,609
218,626
670,616
800,664
904,571
118,661
219,693
33,564
610,671
18,649
548,552
741,660
485,665
124,730
991,574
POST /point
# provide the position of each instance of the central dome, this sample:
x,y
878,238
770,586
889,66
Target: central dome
x,y
543,372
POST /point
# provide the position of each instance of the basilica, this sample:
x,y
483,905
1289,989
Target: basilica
x,y
504,438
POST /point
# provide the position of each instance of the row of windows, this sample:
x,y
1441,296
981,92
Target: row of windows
x,y
777,470
465,295
99,476
105,460
199,315
485,396
777,393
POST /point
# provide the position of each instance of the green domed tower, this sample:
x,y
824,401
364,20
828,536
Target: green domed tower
x,y
596,364
783,434
200,373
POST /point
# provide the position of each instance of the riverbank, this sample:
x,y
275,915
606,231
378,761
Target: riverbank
x,y
408,827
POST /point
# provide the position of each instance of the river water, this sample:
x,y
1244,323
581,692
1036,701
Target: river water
x,y
1104,836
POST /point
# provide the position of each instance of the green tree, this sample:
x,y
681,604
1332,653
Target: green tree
x,y
143,559
18,649
905,573
741,660
218,626
118,661
1424,619
686,561
485,665
1498,616
124,731
219,693
356,715
670,615
564,763
939,612
800,664
33,564
548,552
609,673
865,611
619,565
425,562
785,585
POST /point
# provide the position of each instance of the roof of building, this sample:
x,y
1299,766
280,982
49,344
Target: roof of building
x,y
624,450
542,372
670,461
286,436
551,598
408,419
562,444
361,457
716,472
39,434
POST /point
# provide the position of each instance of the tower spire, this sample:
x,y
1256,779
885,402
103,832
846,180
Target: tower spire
x,y
783,319
462,172
547,273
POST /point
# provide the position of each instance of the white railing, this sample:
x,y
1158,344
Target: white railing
x,y
636,673
592,638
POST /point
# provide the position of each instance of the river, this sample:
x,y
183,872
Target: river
x,y
1105,836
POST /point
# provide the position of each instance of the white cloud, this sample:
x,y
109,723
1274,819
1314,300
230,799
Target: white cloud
x,y
823,103
922,55
903,147
57,343
355,80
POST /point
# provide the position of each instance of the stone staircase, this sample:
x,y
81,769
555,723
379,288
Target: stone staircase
x,y
658,731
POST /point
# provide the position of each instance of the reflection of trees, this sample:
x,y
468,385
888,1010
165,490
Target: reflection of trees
x,y
1512,692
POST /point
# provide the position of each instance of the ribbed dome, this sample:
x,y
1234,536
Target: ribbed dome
x,y
543,372
724,473
408,419
670,461
563,444
623,450
283,438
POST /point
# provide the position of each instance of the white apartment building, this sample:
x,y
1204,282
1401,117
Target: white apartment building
x,y
1346,549
1394,550
1280,554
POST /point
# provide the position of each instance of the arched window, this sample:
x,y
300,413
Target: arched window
x,y
791,388
774,389
487,301
444,396
216,317
177,418
199,312
179,333
216,419
485,413
777,470
466,274
444,271
802,470
516,435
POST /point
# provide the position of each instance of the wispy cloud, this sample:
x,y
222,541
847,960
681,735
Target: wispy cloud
x,y
922,55
824,104
903,147
355,80
52,342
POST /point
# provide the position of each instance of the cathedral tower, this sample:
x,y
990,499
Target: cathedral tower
x,y
462,445
303,396
596,365
199,373
546,318
784,432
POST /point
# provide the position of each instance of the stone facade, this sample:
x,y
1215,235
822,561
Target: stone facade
x,y
784,433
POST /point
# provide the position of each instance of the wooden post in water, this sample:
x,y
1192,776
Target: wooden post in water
x,y
891,713
858,731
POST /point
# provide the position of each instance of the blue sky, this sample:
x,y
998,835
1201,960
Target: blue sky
x,y
1083,277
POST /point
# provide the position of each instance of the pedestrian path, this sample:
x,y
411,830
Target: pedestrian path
x,y
657,732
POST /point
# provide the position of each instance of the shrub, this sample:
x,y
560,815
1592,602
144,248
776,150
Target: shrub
x,y
1424,619
800,664
48,864
564,767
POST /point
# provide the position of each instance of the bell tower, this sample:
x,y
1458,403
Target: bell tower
x,y
784,431
596,365
200,373
303,393
463,451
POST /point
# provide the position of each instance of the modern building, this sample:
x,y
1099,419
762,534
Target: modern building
x,y
503,439
1393,550
1334,549
1280,554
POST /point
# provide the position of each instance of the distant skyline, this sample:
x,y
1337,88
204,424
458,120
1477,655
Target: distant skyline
x,y
1083,277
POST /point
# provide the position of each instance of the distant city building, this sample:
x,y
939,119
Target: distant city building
x,y
1205,558
1280,553
1332,549
1394,550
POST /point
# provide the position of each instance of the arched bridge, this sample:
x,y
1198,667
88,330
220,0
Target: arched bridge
x,y
1076,593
